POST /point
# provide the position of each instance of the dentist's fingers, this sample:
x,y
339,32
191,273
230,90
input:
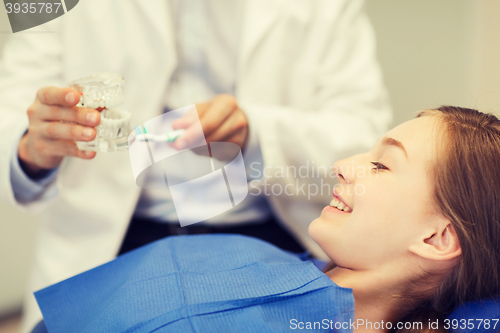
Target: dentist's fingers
x,y
82,116
62,148
217,112
58,96
211,114
55,123
233,127
191,117
220,119
64,131
191,135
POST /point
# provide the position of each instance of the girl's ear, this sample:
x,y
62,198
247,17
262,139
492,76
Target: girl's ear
x,y
439,243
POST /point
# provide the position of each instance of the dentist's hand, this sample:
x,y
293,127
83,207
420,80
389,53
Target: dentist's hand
x,y
221,119
55,123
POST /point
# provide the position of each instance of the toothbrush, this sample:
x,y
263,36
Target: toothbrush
x,y
162,138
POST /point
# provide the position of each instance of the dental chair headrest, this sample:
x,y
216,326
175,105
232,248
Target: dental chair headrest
x,y
479,316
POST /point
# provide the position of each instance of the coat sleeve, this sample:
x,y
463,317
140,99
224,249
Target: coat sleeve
x,y
29,61
349,108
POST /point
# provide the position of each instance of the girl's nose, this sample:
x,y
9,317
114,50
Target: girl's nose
x,y
345,170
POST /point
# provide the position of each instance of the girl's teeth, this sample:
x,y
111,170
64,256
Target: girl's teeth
x,y
339,205
334,202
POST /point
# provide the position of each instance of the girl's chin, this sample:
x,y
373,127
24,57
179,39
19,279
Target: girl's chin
x,y
322,225
312,229
319,228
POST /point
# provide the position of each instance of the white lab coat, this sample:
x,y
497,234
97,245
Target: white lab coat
x,y
307,79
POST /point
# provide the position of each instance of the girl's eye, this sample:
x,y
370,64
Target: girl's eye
x,y
379,166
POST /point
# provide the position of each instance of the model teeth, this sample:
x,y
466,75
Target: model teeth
x,y
339,205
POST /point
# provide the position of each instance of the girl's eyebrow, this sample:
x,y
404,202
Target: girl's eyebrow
x,y
393,142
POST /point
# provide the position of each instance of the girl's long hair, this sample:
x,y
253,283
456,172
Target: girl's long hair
x,y
467,192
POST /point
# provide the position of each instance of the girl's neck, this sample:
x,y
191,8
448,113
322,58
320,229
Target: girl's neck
x,y
375,304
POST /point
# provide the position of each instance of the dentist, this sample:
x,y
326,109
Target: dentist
x,y
269,75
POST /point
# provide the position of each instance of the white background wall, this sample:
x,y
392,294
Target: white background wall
x,y
17,231
438,52
432,53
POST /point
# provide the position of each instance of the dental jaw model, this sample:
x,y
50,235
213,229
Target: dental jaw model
x,y
104,91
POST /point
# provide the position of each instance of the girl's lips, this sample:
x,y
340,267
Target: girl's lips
x,y
337,196
334,210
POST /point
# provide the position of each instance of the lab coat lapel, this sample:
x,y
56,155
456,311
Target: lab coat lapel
x,y
258,18
160,16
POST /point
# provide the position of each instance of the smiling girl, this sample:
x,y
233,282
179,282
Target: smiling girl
x,y
424,236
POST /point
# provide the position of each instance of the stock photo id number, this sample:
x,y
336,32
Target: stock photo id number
x,y
25,14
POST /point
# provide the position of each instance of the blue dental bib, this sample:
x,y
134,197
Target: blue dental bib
x,y
202,283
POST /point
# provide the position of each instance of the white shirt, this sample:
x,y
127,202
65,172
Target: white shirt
x,y
208,34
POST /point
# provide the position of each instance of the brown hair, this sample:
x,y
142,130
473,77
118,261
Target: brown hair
x,y
467,192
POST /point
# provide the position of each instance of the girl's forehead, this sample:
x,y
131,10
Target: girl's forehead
x,y
421,138
417,132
